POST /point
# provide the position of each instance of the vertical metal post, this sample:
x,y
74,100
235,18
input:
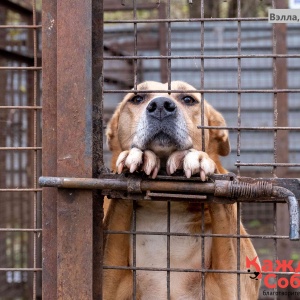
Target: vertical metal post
x,y
202,29
74,148
282,154
162,34
49,211
239,101
275,117
3,174
72,137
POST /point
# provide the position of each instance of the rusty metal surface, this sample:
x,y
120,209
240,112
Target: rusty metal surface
x,y
173,197
210,91
49,211
256,188
125,183
184,20
237,128
231,190
281,113
135,187
74,149
20,26
202,56
50,134
162,43
38,107
191,270
22,68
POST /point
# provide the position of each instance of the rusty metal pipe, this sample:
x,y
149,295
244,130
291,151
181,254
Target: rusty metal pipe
x,y
263,189
294,218
132,185
293,210
219,188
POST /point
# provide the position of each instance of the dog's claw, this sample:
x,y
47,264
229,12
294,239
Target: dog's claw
x,y
132,168
202,175
147,170
175,161
120,168
188,173
121,161
155,172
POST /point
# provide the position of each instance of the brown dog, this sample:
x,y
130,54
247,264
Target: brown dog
x,y
149,131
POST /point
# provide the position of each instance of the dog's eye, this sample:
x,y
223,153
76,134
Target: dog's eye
x,y
188,100
136,99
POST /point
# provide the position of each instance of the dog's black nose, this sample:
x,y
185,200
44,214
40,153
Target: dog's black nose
x,y
161,107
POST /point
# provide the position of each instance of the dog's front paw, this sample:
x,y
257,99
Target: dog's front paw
x,y
192,162
136,159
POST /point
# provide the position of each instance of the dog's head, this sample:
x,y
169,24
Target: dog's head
x,y
164,122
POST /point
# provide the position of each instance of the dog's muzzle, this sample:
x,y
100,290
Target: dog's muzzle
x,y
162,128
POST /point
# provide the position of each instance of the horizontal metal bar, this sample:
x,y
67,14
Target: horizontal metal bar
x,y
20,269
234,56
175,196
249,128
256,236
21,190
11,26
191,270
233,191
122,184
20,107
194,20
19,148
232,91
267,164
21,68
20,230
173,184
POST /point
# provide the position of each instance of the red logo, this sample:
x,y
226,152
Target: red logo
x,y
272,280
256,265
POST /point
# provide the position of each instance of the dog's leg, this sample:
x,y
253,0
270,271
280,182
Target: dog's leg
x,y
117,284
136,159
223,221
224,254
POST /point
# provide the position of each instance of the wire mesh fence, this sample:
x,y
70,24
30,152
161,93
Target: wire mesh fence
x,y
244,66
20,151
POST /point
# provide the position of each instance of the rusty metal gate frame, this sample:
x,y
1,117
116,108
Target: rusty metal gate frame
x,y
72,220
73,153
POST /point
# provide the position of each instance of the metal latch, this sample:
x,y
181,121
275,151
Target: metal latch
x,y
220,188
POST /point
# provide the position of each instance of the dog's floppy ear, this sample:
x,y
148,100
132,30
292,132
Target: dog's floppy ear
x,y
112,131
218,138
